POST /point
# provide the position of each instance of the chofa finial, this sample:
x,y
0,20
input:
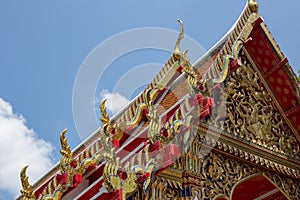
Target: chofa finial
x,y
177,51
65,151
253,5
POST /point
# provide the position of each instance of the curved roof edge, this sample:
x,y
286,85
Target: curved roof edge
x,y
219,44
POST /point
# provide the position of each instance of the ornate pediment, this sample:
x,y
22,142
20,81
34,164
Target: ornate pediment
x,y
252,114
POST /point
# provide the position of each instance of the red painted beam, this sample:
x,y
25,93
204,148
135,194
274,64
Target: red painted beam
x,y
276,67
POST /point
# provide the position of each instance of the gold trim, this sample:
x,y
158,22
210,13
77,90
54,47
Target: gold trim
x,y
252,154
253,6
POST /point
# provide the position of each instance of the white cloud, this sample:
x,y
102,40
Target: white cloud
x,y
115,101
20,146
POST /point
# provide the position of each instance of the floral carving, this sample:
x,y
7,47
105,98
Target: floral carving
x,y
253,116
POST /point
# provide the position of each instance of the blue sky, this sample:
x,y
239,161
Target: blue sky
x,y
44,43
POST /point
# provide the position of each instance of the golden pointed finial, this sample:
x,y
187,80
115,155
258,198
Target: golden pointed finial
x,y
105,117
177,51
65,152
27,190
253,5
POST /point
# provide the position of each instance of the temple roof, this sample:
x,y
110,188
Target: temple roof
x,y
266,57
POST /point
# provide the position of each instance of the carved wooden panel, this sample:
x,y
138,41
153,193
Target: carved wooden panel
x,y
252,115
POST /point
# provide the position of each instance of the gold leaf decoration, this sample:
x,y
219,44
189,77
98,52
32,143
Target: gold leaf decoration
x,y
27,190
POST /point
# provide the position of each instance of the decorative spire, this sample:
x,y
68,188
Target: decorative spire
x,y
66,153
106,123
108,151
177,51
27,190
253,5
105,118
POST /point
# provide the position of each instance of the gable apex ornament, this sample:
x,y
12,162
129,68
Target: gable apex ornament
x,y
253,5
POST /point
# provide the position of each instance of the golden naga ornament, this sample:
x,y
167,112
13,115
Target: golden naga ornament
x,y
177,53
113,182
27,190
108,150
113,170
192,76
155,121
70,168
112,167
67,159
66,153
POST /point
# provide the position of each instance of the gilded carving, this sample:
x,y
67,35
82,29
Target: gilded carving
x,y
155,124
125,178
219,174
253,5
27,190
252,115
107,151
66,163
194,79
69,169
177,51
142,166
66,153
164,189
219,112
244,35
113,181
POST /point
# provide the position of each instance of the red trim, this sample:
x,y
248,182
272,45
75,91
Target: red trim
x,y
276,67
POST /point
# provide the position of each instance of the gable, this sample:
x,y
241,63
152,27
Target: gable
x,y
277,73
